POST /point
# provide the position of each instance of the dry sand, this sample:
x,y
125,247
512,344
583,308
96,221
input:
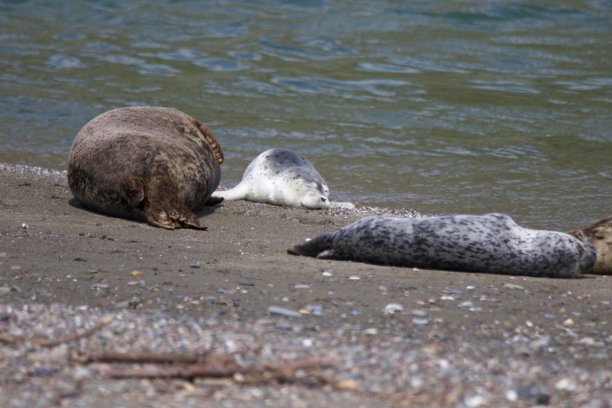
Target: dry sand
x,y
461,339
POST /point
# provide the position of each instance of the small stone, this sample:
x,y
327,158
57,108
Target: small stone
x,y
420,322
568,323
24,225
467,303
195,265
540,343
513,286
277,310
137,274
587,341
354,278
392,308
327,274
372,331
347,385
475,401
301,286
132,303
511,395
315,309
4,290
418,313
470,287
565,384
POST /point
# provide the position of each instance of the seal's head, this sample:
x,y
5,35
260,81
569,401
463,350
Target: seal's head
x,y
315,194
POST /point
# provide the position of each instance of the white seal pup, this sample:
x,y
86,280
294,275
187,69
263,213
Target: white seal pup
x,y
148,163
599,235
282,177
491,243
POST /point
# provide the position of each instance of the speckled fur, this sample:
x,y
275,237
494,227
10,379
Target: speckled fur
x,y
491,243
148,163
282,177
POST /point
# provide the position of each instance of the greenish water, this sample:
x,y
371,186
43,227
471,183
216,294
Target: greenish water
x,y
464,106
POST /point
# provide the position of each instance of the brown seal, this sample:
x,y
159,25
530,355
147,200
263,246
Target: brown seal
x,y
599,235
148,163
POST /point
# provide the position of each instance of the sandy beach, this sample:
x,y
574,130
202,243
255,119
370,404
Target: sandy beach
x,y
460,339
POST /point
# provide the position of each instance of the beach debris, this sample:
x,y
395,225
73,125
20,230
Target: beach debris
x,y
137,274
195,265
216,366
392,308
283,311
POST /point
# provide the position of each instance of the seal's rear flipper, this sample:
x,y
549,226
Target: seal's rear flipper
x,y
599,235
173,219
214,200
313,247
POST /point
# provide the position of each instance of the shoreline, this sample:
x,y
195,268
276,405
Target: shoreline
x,y
460,338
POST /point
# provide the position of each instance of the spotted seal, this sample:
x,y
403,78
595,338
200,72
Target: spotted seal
x,y
282,177
491,243
150,163
598,234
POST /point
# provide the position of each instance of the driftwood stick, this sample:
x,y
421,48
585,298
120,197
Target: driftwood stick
x,y
143,357
220,367
10,339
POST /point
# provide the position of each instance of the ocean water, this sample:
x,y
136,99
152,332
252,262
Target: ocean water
x,y
445,107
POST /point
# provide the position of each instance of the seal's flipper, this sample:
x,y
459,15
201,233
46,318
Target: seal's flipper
x,y
237,193
214,200
172,219
313,247
599,235
163,209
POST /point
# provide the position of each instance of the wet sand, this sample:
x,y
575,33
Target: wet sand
x,y
464,339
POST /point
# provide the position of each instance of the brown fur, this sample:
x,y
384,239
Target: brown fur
x,y
147,163
599,235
